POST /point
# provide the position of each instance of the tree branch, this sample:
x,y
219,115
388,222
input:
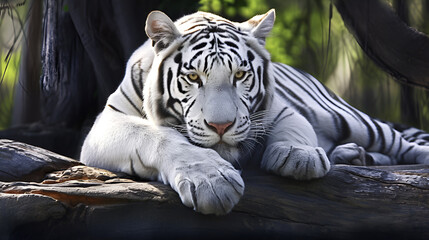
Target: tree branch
x,y
397,48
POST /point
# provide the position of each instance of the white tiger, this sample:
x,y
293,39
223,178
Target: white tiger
x,y
202,94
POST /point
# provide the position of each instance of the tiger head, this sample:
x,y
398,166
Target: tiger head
x,y
210,79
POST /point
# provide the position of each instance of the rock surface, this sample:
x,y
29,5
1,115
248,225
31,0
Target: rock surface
x,y
70,201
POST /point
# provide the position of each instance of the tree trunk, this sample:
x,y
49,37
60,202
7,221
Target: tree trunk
x,y
410,113
90,203
26,104
387,40
85,47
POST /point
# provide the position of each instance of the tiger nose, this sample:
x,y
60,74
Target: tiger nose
x,y
220,128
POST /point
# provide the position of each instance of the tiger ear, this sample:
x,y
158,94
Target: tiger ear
x,y
161,29
260,25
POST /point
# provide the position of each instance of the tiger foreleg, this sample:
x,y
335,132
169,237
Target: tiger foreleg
x,y
292,149
203,180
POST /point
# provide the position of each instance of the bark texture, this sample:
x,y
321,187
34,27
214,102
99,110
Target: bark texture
x,y
89,203
394,46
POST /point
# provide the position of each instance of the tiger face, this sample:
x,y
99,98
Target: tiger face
x,y
212,80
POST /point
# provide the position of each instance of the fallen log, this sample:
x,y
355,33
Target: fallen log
x,y
89,203
23,162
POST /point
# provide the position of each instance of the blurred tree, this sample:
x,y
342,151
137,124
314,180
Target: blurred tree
x,y
12,15
387,39
85,47
409,107
27,93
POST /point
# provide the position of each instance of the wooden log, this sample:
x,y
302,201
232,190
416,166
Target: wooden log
x,y
350,202
23,162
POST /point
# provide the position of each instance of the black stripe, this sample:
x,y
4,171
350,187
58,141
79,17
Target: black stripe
x,y
405,152
279,114
252,85
393,136
189,108
284,117
326,96
199,46
206,61
129,101
318,95
302,110
180,87
337,102
258,73
231,44
169,78
198,134
244,103
240,132
400,146
161,78
416,134
267,82
250,56
286,159
236,54
198,36
381,136
329,95
369,129
171,100
133,172
196,55
344,129
315,95
178,58
114,108
321,159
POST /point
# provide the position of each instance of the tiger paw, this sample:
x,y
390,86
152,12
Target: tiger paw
x,y
210,185
352,154
422,154
300,162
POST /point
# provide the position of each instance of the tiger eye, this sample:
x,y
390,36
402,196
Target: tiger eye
x,y
239,75
193,76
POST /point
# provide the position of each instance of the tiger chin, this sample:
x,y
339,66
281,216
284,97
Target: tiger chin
x,y
202,92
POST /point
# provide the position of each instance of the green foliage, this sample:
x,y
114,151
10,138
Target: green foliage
x,y
11,33
9,68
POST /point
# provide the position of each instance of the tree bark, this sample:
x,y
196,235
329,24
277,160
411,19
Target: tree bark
x,y
89,203
397,48
410,113
86,46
